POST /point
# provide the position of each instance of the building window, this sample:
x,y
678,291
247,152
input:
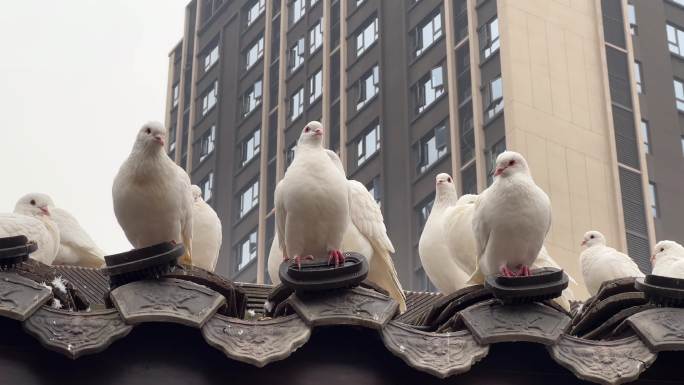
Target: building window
x,y
247,250
429,88
207,186
315,86
207,143
315,37
359,2
491,154
211,58
375,189
653,199
675,39
255,10
290,154
427,33
489,38
423,213
251,99
432,147
367,36
679,94
645,136
297,104
175,94
251,146
493,98
297,10
631,17
637,77
682,145
209,98
296,55
368,144
172,139
313,2
368,87
249,199
254,53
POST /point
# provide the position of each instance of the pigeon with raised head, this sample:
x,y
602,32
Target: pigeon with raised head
x,y
152,197
600,263
511,219
206,233
312,202
668,259
32,218
366,235
447,244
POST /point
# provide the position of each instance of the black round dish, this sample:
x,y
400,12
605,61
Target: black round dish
x,y
662,291
317,276
138,264
15,250
545,283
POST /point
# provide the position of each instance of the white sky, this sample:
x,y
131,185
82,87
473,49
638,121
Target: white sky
x,y
77,80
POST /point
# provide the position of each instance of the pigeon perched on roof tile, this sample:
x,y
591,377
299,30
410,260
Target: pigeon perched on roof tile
x,y
600,263
152,197
32,218
76,248
312,202
668,259
206,233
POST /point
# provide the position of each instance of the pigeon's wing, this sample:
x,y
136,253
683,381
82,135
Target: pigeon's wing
x,y
280,216
367,217
275,258
458,231
336,159
34,230
73,235
186,207
625,266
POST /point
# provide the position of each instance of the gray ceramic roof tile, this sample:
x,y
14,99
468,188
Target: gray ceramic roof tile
x,y
661,328
91,283
166,300
357,306
256,342
492,322
440,354
20,297
605,362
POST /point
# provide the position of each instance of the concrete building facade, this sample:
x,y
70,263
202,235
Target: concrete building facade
x,y
411,88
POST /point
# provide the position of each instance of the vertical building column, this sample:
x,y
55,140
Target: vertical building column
x,y
282,91
169,95
452,93
193,84
343,82
325,113
263,152
476,96
181,85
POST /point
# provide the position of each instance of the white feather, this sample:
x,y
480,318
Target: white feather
x,y
207,233
76,246
42,230
600,263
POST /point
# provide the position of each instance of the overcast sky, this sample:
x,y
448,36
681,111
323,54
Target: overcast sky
x,y
77,80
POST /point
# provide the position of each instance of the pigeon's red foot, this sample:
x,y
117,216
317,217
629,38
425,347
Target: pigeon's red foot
x,y
524,271
335,256
298,260
506,272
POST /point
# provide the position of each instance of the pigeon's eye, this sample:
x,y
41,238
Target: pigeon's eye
x,y
148,131
592,237
306,129
512,162
662,249
449,179
33,202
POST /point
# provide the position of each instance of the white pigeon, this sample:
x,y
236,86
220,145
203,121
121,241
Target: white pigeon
x,y
511,219
600,263
152,198
312,202
447,245
366,235
32,218
76,247
206,233
668,259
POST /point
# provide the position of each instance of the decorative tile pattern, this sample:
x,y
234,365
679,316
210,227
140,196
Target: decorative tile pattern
x,y
20,297
440,354
166,300
660,328
76,334
605,362
256,342
356,306
492,322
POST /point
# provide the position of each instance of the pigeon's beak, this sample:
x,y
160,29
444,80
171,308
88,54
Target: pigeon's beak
x,y
584,242
318,132
45,210
652,260
159,139
499,171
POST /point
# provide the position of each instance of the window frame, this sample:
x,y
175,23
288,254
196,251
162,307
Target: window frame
x,y
638,77
316,35
645,136
492,106
299,93
653,195
260,7
259,45
252,246
489,45
302,9
425,84
423,148
316,86
296,54
211,57
361,48
679,100
254,137
252,95
208,180
209,98
253,191
207,143
419,46
362,97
